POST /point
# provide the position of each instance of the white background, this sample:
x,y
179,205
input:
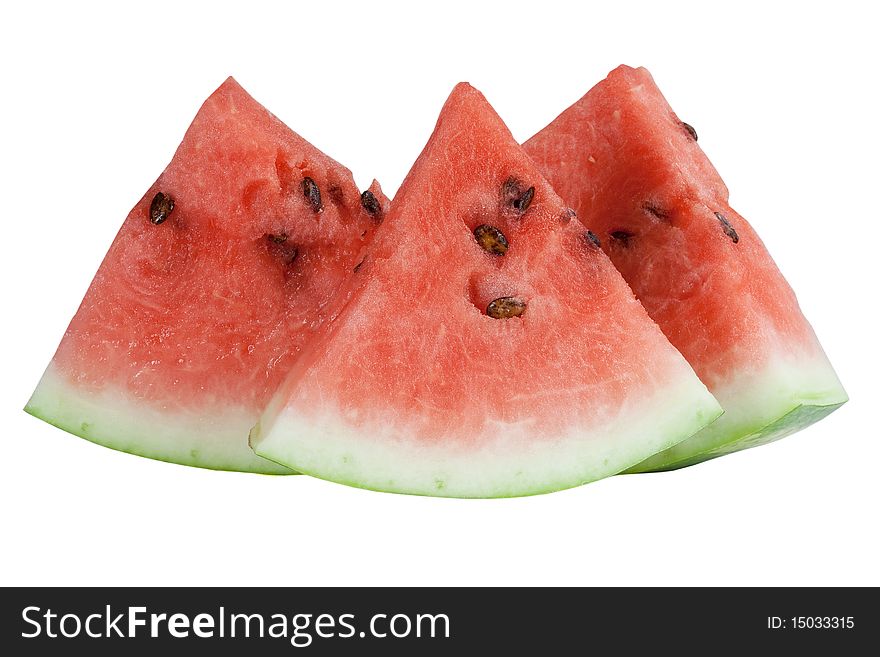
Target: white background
x,y
94,102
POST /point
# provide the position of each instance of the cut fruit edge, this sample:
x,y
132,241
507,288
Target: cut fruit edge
x,y
211,438
377,458
760,407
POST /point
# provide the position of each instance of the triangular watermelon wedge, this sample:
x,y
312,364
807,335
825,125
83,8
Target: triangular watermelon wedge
x,y
489,347
637,177
215,282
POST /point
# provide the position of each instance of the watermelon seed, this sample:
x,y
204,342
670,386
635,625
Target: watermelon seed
x,y
727,228
568,215
591,239
690,130
653,209
523,202
313,194
358,266
279,238
621,236
160,208
512,193
371,205
491,239
505,307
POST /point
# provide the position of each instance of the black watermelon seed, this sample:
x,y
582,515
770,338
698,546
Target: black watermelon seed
x,y
690,130
591,239
371,204
729,230
491,239
312,194
523,202
161,207
513,195
621,236
655,210
358,266
505,307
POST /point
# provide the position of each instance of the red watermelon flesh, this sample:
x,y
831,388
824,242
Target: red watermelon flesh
x,y
196,315
637,177
489,348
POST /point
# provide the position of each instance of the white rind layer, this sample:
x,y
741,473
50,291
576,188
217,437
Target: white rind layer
x,y
215,439
759,407
505,461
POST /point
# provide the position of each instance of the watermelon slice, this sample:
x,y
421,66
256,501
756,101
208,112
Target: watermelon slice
x,y
634,173
489,348
213,285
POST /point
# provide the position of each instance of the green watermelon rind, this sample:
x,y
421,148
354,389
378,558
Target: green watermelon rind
x,y
796,419
111,420
785,398
324,448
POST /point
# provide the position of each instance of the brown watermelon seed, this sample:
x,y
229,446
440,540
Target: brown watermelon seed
x,y
491,239
312,194
278,238
621,236
161,207
690,130
505,307
371,204
655,210
358,266
729,230
592,239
